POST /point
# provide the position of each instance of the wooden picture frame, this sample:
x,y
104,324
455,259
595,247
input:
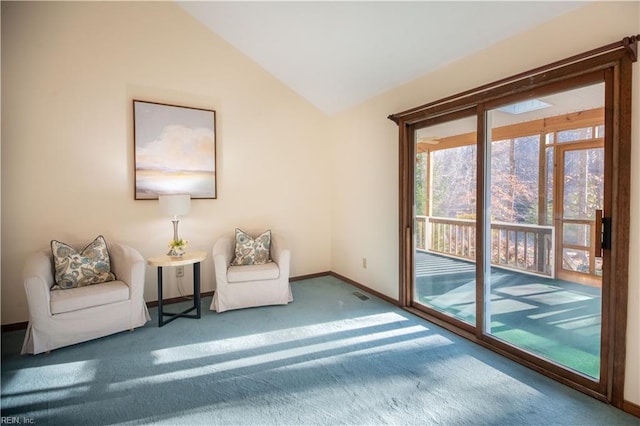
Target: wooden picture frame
x,y
175,150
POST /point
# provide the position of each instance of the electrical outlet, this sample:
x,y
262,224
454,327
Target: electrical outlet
x,y
364,262
179,271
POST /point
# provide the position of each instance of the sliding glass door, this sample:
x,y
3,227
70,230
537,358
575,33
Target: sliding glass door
x,y
514,216
505,231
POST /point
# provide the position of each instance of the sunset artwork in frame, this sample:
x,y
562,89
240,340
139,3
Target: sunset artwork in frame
x,y
175,150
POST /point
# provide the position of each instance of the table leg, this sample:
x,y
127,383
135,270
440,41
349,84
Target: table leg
x,y
160,314
196,287
184,314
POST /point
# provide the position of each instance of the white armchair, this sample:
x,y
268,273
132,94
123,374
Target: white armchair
x,y
60,318
248,286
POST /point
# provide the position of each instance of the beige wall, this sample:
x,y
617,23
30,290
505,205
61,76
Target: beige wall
x,y
365,154
69,73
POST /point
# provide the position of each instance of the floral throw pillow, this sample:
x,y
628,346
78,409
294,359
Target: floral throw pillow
x,y
252,251
73,269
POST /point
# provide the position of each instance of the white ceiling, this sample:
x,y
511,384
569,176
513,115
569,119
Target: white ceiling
x,y
339,54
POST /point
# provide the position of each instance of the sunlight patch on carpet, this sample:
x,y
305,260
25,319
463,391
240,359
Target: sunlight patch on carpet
x,y
64,374
289,335
288,347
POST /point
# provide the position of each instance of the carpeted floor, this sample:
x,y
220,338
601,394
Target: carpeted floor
x,y
328,358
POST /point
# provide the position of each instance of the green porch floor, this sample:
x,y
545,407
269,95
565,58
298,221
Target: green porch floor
x,y
555,319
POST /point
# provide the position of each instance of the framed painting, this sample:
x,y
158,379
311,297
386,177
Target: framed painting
x,y
175,150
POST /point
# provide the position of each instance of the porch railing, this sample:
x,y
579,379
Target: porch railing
x,y
521,247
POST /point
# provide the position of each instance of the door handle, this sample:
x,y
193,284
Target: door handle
x,y
602,234
598,234
606,233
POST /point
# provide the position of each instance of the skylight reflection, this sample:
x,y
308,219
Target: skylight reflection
x,y
524,106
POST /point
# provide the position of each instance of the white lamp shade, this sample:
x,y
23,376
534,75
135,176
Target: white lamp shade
x,y
175,205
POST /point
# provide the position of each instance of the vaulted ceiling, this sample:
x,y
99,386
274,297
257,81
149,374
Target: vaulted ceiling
x,y
339,54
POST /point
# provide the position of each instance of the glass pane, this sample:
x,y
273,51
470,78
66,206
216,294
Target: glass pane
x,y
575,134
549,138
575,260
576,234
422,165
454,182
518,241
583,183
445,227
549,186
514,180
527,304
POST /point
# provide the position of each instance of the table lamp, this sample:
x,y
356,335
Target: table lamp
x,y
174,206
